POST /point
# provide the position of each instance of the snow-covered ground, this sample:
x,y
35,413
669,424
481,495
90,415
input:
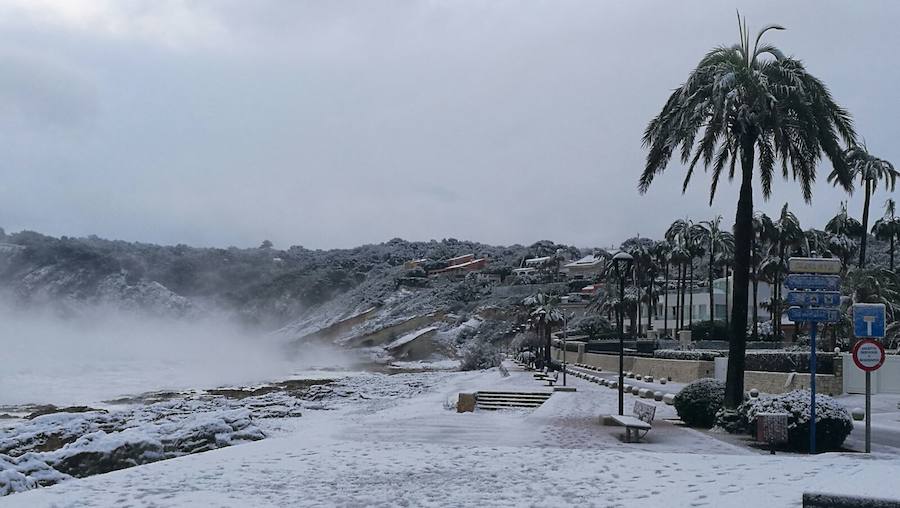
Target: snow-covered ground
x,y
400,446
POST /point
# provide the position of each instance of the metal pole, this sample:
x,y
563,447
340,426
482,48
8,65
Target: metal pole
x,y
565,346
812,385
868,412
621,344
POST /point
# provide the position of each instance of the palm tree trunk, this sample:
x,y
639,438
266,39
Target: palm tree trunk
x,y
865,225
650,307
726,298
755,304
684,273
666,303
892,253
778,331
678,300
743,231
712,305
691,303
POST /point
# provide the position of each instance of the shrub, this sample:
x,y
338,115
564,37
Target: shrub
x,y
478,356
593,326
833,421
677,354
787,361
703,330
698,402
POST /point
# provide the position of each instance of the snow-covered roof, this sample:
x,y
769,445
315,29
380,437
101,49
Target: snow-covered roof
x,y
586,262
536,261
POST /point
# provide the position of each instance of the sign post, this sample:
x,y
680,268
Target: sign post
x,y
868,354
814,299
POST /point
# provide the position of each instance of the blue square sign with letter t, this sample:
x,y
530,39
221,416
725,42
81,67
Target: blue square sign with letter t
x,y
868,320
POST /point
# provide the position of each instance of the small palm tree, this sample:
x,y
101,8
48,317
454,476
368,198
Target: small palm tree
x,y
870,170
762,231
718,242
681,254
888,227
843,230
661,254
739,101
786,234
546,314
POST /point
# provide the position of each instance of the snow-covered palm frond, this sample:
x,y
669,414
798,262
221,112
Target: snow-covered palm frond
x,y
868,168
741,99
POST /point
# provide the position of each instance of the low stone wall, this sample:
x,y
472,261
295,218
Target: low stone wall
x,y
783,382
682,371
685,371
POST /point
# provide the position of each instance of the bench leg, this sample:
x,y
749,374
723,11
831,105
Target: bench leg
x,y
627,434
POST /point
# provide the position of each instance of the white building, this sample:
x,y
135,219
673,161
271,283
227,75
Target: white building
x,y
702,306
589,267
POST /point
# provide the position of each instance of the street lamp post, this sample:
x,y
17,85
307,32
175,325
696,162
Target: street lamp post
x,y
622,263
542,318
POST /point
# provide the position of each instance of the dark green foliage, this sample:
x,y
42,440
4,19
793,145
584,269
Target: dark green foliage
x,y
698,402
593,326
705,330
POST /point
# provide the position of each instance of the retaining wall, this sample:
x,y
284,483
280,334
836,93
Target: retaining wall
x,y
685,371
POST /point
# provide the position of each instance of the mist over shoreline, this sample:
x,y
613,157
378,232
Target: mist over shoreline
x,y
102,353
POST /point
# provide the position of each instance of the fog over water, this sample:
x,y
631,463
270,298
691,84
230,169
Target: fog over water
x,y
103,354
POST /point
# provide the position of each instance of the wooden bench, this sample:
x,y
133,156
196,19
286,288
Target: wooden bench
x,y
639,424
551,380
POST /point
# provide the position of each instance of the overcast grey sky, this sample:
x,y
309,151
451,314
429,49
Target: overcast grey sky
x,y
332,124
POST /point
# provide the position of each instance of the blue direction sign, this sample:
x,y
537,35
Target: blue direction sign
x,y
814,314
810,281
814,298
868,319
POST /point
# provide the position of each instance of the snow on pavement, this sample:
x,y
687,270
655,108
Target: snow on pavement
x,y
411,451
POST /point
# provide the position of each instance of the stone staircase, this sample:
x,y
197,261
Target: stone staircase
x,y
510,400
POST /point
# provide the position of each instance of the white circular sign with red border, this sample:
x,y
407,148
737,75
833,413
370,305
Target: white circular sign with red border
x,y
868,355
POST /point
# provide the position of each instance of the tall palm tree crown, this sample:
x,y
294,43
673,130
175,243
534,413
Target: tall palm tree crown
x,y
869,169
748,100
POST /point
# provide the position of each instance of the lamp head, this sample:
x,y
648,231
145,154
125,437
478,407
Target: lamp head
x,y
622,262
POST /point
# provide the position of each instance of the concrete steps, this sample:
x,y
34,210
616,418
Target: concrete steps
x,y
510,400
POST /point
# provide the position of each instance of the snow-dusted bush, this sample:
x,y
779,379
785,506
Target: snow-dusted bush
x,y
833,421
698,402
478,356
677,354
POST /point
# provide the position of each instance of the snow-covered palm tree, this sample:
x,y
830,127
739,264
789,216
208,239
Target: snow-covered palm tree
x,y
661,253
740,102
546,314
870,170
717,241
762,231
843,231
888,227
786,234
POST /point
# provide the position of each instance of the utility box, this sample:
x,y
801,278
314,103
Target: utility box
x,y
772,428
684,339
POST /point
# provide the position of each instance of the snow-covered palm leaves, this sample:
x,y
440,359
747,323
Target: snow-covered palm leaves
x,y
843,231
738,101
870,170
888,227
747,98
